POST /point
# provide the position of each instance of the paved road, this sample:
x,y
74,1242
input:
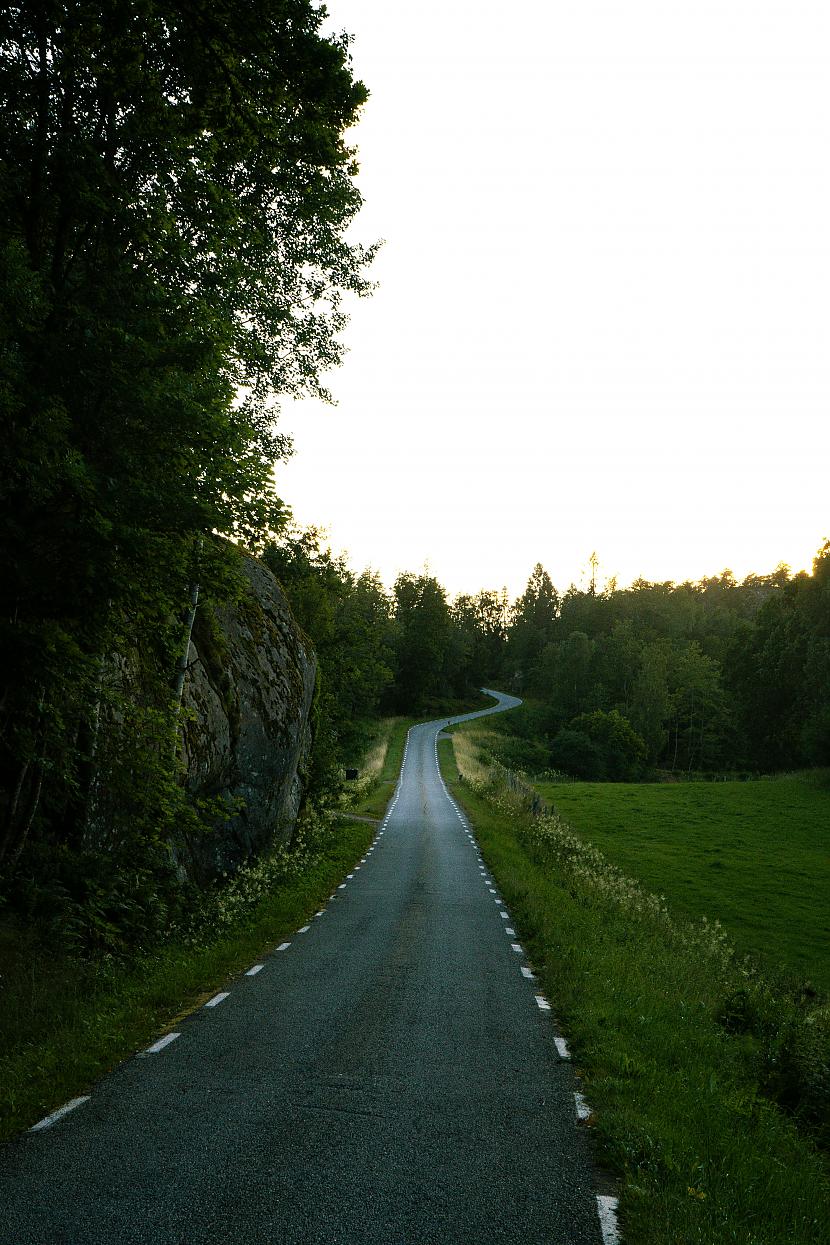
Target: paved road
x,y
386,1079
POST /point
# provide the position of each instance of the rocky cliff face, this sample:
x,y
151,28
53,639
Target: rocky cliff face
x,y
248,698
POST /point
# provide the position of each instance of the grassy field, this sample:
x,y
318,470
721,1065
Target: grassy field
x,y
685,1057
754,855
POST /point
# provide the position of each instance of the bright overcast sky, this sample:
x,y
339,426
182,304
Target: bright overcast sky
x,y
603,312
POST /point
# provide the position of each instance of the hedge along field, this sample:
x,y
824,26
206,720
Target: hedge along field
x,y
753,855
709,1088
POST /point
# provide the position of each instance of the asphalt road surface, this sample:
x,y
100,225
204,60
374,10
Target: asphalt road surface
x,y
388,1077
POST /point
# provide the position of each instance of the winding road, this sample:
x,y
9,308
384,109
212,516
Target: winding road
x,y
386,1077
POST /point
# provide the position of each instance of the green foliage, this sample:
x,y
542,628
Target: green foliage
x,y
175,188
752,854
712,675
67,1020
422,639
346,616
527,755
780,672
684,1113
532,623
574,752
620,748
480,625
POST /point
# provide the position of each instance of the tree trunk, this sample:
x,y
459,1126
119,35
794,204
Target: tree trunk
x,y
21,842
181,665
12,813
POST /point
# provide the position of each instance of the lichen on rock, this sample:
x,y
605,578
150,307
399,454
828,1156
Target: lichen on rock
x,y
247,720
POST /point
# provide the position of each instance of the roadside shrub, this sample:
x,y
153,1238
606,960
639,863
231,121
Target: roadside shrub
x,y
574,753
622,750
528,755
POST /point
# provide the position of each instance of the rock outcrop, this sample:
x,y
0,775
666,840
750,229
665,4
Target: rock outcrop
x,y
247,738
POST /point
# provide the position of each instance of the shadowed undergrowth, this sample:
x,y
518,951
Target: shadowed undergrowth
x,y
65,1021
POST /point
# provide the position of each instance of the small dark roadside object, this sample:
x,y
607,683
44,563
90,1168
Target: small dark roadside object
x,y
351,774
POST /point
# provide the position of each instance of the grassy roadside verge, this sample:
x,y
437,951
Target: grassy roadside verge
x,y
66,1022
374,790
701,1154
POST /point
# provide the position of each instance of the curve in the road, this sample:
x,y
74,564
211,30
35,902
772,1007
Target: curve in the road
x,y
388,1076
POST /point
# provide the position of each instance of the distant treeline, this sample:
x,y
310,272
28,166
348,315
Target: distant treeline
x,y
694,677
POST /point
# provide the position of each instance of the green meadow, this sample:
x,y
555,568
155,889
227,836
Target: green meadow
x,y
707,1080
753,855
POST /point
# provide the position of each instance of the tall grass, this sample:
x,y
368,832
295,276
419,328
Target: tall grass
x,y
369,795
470,747
372,764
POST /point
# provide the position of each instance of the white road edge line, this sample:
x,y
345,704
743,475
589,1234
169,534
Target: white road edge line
x,y
283,946
527,973
161,1043
607,1211
511,933
49,1120
517,947
562,1047
542,1003
303,929
252,972
217,999
583,1111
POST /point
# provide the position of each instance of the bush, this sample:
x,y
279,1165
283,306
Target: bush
x,y
622,750
529,755
573,752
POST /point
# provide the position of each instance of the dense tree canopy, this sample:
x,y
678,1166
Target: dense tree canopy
x,y
175,187
689,678
710,675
